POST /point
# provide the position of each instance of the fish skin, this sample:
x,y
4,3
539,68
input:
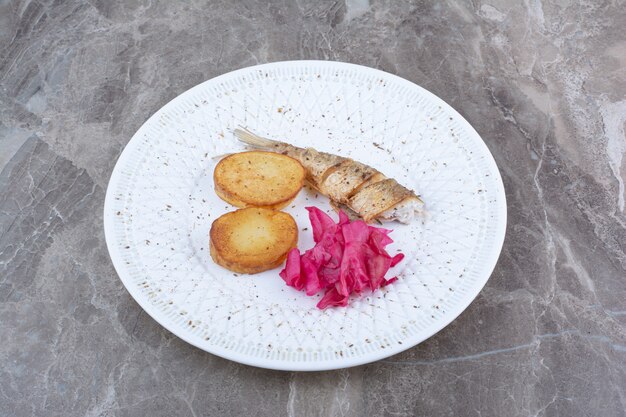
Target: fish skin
x,y
317,164
378,197
345,179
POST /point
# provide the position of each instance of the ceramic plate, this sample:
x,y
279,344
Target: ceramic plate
x,y
160,205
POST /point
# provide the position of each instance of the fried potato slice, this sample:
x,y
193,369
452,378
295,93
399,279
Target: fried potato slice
x,y
252,239
258,179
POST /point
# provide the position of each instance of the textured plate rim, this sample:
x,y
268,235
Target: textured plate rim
x,y
321,365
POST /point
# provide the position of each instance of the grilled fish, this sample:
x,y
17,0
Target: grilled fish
x,y
361,188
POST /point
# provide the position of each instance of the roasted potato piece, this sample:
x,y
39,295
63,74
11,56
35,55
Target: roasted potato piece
x,y
258,179
252,239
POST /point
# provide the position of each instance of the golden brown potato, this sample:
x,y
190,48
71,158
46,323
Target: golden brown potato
x,y
258,179
252,239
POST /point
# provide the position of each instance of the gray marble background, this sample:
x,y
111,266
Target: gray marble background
x,y
543,82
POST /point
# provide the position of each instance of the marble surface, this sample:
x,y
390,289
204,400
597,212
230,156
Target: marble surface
x,y
543,82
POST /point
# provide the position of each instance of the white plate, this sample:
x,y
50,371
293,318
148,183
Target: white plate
x,y
160,204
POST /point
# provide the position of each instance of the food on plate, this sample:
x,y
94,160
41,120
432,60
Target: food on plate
x,y
348,257
258,179
253,239
363,189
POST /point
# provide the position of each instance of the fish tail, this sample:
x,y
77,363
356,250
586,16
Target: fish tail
x,y
253,140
